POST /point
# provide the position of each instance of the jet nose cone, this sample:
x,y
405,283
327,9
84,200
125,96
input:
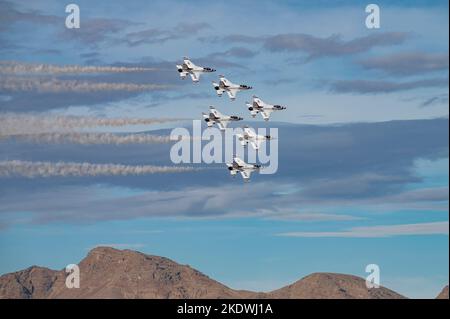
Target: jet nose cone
x,y
268,137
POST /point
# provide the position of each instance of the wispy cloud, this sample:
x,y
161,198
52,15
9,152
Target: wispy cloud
x,y
94,31
435,100
435,228
333,45
10,15
157,35
378,87
316,47
410,63
347,172
49,169
236,52
226,201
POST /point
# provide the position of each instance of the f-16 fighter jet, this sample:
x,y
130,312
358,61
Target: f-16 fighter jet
x,y
215,117
225,85
250,136
193,70
242,167
258,106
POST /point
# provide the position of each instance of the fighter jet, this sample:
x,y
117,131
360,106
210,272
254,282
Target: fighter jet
x,y
242,167
193,70
258,106
222,121
250,136
225,85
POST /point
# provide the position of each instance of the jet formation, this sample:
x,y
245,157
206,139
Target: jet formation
x,y
215,117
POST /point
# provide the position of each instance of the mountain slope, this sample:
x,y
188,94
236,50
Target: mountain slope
x,y
112,273
332,286
33,282
443,294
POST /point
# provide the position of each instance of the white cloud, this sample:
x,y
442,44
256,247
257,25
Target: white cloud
x,y
435,228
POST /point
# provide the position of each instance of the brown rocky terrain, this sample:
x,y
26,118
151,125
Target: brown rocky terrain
x,y
112,273
332,286
443,294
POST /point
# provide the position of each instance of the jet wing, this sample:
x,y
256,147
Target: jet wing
x,y
266,114
254,112
222,125
195,76
245,174
189,64
249,132
242,139
225,82
257,102
240,162
256,144
232,93
216,113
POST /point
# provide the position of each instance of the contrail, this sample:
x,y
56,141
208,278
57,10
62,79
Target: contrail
x,y
64,169
17,124
14,67
44,85
94,138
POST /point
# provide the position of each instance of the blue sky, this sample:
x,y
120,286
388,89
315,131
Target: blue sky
x,y
363,172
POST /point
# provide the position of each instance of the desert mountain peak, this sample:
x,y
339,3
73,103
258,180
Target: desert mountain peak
x,y
112,273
